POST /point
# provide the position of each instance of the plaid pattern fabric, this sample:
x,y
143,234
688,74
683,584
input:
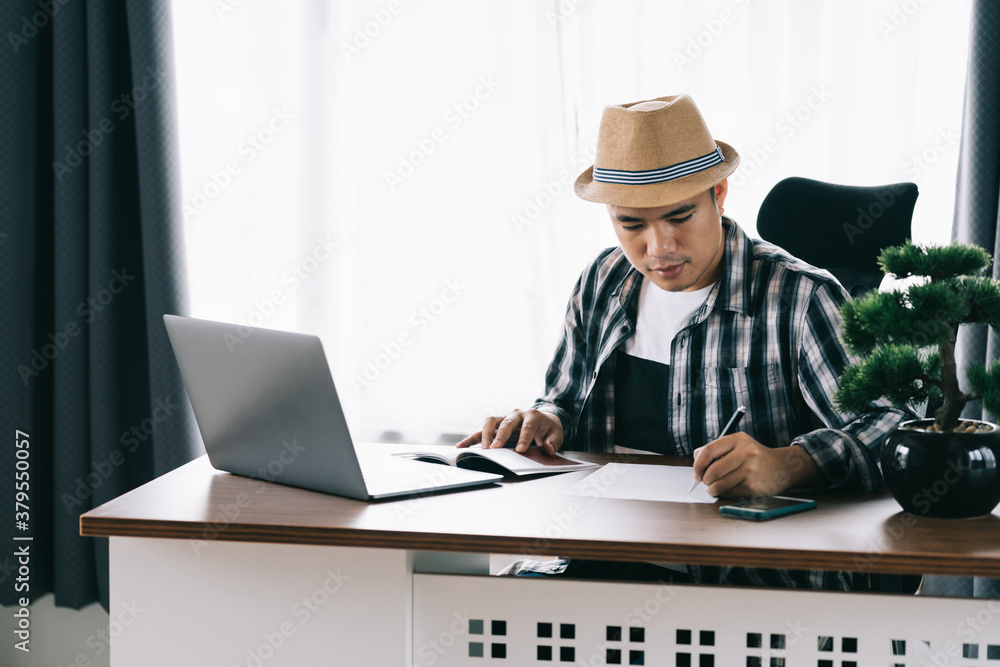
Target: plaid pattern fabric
x,y
767,337
729,576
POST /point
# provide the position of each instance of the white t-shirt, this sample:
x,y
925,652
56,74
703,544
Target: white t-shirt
x,y
661,315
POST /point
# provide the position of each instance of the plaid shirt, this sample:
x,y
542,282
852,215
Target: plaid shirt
x,y
766,337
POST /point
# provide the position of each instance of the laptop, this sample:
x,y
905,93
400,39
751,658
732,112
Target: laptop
x,y
267,408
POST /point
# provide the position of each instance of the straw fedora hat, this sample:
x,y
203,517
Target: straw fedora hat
x,y
654,153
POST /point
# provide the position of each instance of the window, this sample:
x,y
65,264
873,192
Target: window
x,y
396,177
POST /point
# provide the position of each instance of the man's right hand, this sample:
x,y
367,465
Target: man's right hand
x,y
529,426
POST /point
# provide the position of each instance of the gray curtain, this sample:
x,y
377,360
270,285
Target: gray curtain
x,y
91,257
977,196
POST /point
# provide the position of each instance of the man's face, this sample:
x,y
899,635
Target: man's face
x,y
678,247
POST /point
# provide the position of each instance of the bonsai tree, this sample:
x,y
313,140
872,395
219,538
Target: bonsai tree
x,y
907,338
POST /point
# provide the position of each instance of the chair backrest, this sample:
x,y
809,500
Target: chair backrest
x,y
840,228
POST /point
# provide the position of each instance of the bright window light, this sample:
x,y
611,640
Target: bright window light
x,y
396,176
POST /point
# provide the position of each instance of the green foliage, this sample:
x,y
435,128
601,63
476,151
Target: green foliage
x,y
986,383
876,318
937,263
925,315
983,296
939,306
902,334
893,371
932,368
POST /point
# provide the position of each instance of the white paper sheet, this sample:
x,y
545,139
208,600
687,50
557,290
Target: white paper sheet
x,y
632,481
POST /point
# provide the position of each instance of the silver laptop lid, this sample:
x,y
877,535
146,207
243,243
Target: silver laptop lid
x,y
266,405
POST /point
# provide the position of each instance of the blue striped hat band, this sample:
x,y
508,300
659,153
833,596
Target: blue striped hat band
x,y
662,175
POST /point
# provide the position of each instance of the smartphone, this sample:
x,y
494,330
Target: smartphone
x,y
761,509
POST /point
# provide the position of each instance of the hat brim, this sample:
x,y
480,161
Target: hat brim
x,y
650,195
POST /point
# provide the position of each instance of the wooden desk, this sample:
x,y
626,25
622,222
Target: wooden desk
x,y
240,569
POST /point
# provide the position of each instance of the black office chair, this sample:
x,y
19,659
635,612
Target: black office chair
x,y
840,228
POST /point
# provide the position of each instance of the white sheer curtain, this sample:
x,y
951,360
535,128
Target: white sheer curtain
x,y
396,176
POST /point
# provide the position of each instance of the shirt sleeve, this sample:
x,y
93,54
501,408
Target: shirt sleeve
x,y
847,449
565,380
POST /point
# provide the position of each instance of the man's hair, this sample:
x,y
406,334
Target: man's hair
x,y
711,193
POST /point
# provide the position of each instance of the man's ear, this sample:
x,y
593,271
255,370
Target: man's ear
x,y
721,190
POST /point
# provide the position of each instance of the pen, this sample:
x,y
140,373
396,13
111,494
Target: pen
x,y
733,421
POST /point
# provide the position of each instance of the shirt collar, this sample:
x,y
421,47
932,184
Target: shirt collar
x,y
734,285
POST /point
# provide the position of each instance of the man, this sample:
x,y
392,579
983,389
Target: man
x,y
666,336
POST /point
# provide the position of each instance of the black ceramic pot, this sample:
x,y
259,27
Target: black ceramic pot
x,y
945,475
